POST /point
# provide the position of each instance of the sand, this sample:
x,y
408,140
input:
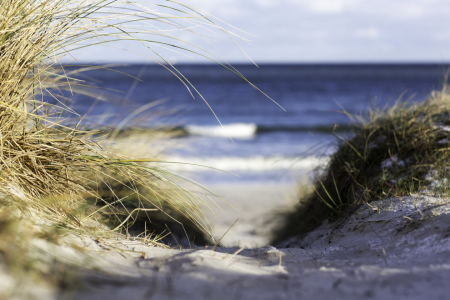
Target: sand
x,y
398,248
255,205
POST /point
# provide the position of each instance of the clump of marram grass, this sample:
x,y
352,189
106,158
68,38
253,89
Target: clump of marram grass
x,y
49,167
41,156
393,152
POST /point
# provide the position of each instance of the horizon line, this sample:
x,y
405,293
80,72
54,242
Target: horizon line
x,y
265,63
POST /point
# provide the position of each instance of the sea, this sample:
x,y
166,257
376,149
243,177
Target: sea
x,y
271,123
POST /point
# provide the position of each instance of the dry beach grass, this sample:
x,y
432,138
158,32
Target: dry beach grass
x,y
397,151
57,177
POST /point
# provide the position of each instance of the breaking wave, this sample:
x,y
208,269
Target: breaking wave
x,y
236,130
249,130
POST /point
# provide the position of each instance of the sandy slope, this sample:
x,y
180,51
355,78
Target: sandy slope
x,y
392,249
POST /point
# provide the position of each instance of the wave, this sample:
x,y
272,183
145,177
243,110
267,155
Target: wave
x,y
249,130
255,163
321,128
236,130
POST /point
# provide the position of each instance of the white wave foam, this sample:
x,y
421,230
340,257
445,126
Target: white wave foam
x,y
235,130
244,163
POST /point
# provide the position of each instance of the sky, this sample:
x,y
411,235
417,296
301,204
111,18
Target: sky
x,y
317,31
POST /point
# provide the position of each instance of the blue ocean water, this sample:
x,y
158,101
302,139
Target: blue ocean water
x,y
260,140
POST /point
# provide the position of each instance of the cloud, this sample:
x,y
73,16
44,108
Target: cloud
x,y
327,30
266,3
442,36
368,33
327,6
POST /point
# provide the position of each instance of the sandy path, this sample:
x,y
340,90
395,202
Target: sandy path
x,y
254,206
392,249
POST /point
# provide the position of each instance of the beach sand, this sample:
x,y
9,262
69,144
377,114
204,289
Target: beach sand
x,y
255,206
398,248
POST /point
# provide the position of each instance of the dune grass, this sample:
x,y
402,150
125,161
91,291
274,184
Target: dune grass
x,y
41,155
391,152
58,175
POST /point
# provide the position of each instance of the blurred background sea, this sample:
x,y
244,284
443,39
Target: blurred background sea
x,y
259,141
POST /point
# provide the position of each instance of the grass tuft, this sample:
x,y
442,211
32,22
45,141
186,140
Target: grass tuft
x,y
57,178
397,151
51,167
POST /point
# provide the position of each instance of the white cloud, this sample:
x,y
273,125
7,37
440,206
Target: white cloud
x,y
266,3
413,11
326,30
328,6
442,36
368,33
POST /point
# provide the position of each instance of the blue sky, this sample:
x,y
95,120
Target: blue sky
x,y
320,31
